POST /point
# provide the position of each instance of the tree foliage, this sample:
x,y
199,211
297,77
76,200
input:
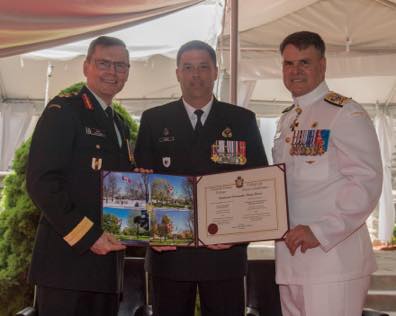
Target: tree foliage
x,y
18,223
111,224
160,190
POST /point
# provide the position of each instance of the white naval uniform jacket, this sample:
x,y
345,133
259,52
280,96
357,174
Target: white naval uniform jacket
x,y
333,193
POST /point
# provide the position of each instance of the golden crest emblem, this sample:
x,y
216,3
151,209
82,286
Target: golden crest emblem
x,y
227,133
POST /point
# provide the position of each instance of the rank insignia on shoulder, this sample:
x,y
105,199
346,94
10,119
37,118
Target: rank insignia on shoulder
x,y
67,94
87,102
54,106
227,133
336,99
288,108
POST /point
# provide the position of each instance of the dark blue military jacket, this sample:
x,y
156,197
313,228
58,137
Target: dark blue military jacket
x,y
167,143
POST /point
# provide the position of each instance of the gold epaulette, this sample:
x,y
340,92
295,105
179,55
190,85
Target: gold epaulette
x,y
336,99
288,108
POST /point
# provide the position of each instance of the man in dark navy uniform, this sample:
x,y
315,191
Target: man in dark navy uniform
x,y
76,265
198,135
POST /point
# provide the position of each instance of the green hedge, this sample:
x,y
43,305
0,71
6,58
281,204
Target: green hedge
x,y
18,222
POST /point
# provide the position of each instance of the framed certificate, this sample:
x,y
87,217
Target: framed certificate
x,y
230,207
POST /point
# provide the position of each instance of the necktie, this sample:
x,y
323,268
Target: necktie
x,y
110,117
110,114
199,125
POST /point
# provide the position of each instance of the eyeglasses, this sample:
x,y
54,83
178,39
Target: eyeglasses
x,y
120,67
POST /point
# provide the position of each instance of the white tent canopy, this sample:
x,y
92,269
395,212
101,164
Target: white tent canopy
x,y
361,62
26,80
359,34
30,25
161,36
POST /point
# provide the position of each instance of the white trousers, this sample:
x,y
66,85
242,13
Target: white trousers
x,y
325,299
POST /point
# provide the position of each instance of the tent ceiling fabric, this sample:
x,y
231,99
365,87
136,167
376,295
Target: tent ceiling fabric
x,y
359,36
161,36
27,25
364,26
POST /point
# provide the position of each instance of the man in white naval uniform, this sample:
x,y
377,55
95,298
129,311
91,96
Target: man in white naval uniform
x,y
334,178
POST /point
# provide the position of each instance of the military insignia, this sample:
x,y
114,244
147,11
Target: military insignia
x,y
336,99
311,142
229,152
288,108
227,133
87,102
239,182
166,162
166,139
96,163
94,132
54,106
67,94
166,136
295,122
131,157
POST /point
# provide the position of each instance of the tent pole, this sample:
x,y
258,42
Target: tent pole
x,y
234,52
47,82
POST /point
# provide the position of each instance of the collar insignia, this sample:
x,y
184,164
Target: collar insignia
x,y
87,102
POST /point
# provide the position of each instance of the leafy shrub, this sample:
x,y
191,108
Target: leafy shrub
x,y
18,223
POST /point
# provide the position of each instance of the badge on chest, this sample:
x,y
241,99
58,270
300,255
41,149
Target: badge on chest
x,y
311,142
94,132
229,152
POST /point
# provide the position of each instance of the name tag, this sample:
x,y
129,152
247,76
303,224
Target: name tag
x,y
94,132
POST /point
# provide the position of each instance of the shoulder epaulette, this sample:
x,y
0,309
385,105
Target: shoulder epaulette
x,y
54,106
288,108
336,99
67,94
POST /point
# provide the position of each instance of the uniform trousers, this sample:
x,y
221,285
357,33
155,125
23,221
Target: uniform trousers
x,y
325,299
217,298
61,302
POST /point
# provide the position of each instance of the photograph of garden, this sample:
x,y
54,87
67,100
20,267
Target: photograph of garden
x,y
141,209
